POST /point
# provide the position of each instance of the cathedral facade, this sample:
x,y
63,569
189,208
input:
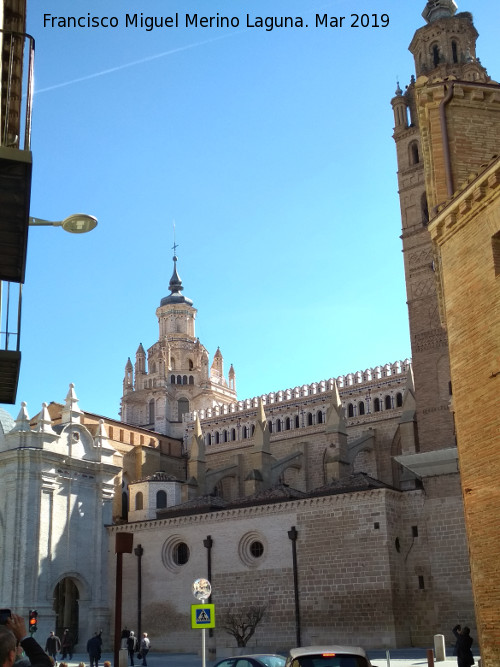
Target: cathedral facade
x,y
335,507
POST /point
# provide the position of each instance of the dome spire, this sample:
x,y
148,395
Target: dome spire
x,y
175,285
439,9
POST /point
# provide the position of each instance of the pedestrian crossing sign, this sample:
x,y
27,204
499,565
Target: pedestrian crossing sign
x,y
203,616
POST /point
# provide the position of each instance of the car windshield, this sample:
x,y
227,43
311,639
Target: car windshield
x,y
272,660
330,660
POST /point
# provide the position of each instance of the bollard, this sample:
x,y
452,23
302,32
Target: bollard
x,y
430,657
439,648
388,657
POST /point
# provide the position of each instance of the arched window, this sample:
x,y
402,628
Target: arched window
x,y
184,379
191,379
414,156
435,55
253,429
161,500
182,408
190,364
172,379
454,52
139,501
224,435
361,408
124,505
399,399
350,410
288,424
297,422
309,419
209,438
217,437
278,424
245,432
151,411
388,402
319,417
179,379
270,426
233,434
376,405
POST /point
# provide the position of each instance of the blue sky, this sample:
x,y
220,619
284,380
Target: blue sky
x,y
271,150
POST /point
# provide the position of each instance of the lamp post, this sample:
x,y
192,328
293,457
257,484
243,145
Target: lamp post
x,y
77,223
123,545
293,535
139,551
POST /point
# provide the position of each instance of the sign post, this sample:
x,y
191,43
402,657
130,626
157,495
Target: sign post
x,y
202,615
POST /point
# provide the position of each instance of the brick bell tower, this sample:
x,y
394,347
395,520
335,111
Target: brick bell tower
x,y
443,49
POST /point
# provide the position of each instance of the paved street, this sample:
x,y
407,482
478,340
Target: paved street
x,y
397,658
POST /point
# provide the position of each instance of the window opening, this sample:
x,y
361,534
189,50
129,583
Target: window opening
x,y
435,55
139,501
256,549
181,553
161,500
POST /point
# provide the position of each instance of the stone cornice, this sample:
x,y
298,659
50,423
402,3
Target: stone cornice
x,y
250,511
474,196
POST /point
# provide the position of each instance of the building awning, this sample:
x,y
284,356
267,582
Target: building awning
x,y
429,464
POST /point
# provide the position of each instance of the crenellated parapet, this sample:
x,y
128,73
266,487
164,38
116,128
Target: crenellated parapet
x,y
359,379
362,394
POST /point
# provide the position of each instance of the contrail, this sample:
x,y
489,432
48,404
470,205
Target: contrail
x,y
104,72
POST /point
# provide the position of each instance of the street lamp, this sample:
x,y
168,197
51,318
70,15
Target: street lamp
x,y
78,223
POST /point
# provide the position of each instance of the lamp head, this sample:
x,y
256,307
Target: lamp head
x,y
79,223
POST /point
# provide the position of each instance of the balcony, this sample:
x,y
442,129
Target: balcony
x,y
16,93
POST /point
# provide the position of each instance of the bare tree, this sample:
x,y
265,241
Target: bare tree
x,y
241,624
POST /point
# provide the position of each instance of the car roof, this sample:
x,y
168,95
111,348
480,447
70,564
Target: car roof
x,y
253,655
334,648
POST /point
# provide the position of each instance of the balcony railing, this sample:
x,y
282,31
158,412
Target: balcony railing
x,y
16,100
17,62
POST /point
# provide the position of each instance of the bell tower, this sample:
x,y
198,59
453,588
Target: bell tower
x,y
443,49
174,377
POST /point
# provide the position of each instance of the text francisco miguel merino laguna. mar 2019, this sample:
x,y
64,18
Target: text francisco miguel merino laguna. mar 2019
x,y
184,20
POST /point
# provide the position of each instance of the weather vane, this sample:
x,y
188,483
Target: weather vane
x,y
175,246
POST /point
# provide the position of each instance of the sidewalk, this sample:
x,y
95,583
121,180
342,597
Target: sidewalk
x,y
412,657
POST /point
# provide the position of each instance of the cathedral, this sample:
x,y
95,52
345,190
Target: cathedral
x,y
335,508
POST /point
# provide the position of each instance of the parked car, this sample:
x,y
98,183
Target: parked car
x,y
327,656
257,660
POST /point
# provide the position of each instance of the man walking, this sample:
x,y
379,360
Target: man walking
x,y
53,646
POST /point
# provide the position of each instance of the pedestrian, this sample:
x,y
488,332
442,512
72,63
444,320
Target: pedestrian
x,y
131,647
463,646
67,645
144,648
53,646
11,633
94,649
124,637
456,629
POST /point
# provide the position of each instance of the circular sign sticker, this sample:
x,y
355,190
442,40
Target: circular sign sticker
x,y
202,589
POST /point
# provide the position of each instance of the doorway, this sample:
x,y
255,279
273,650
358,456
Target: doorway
x,y
66,608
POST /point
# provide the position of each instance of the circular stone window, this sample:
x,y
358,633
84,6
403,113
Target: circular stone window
x,y
175,553
252,549
256,549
